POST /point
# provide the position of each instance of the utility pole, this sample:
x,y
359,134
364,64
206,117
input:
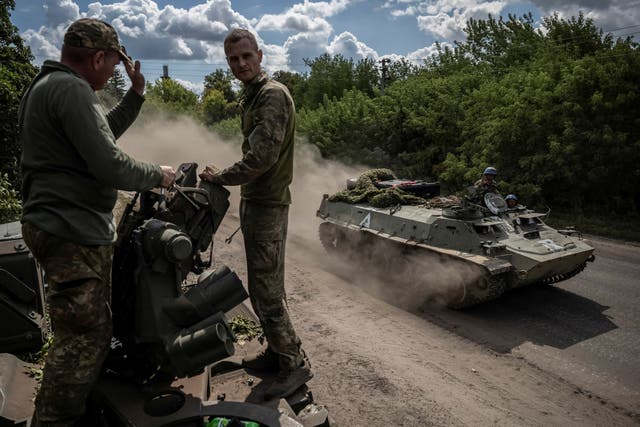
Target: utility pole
x,y
383,70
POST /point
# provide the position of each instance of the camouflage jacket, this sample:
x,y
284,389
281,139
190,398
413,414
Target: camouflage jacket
x,y
483,187
268,125
71,165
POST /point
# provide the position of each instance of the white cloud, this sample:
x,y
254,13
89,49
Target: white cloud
x,y
410,11
450,20
193,87
45,42
310,32
445,19
321,8
586,4
189,25
147,30
418,56
304,45
292,21
196,33
275,58
60,12
442,25
348,45
610,15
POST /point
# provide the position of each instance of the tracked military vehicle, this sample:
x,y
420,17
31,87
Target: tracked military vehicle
x,y
497,247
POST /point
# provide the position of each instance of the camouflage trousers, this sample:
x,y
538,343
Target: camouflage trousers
x,y
79,295
265,232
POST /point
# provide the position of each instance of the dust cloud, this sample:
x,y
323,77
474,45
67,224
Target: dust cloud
x,y
413,279
175,141
314,176
407,280
172,141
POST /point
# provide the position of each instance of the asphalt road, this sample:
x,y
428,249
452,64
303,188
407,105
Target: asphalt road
x,y
585,330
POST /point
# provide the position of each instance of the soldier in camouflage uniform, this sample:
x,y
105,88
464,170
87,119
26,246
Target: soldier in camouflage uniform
x,y
72,169
264,173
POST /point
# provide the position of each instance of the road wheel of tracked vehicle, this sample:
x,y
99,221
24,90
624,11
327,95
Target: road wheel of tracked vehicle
x,y
486,289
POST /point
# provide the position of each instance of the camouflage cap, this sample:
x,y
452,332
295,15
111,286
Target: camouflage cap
x,y
95,34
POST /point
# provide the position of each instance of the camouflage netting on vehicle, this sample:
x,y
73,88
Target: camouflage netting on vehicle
x,y
365,191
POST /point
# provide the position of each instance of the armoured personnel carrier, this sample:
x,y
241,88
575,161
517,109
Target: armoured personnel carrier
x,y
503,248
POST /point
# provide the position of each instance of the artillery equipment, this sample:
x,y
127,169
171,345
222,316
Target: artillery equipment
x,y
503,248
170,321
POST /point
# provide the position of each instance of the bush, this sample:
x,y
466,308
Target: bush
x,y
10,205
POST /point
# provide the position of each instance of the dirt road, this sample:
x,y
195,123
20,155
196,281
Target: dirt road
x,y
377,364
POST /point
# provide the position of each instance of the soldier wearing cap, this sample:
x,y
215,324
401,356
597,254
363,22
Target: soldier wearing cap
x,y
72,169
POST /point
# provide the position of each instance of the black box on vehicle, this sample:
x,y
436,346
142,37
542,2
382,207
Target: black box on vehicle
x,y
422,189
22,320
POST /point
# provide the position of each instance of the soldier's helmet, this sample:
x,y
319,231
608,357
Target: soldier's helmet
x,y
490,171
511,197
95,34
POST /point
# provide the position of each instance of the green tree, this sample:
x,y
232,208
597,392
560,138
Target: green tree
x,y
213,106
221,81
169,95
10,205
331,76
577,37
366,77
116,85
501,44
401,69
341,129
556,110
16,73
295,82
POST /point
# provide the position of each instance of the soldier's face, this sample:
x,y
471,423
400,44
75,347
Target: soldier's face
x,y
489,178
243,59
104,64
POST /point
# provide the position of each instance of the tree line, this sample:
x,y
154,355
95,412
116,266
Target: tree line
x,y
555,110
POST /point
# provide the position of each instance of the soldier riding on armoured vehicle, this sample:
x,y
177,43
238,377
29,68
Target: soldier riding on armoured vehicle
x,y
506,248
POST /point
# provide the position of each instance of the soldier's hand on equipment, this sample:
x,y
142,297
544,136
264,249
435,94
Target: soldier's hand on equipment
x,y
209,172
168,176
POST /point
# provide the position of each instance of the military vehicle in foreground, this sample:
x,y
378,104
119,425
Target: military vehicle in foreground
x,y
497,248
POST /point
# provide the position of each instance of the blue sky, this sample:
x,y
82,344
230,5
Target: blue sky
x,y
187,34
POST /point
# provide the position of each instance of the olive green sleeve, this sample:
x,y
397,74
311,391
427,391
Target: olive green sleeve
x,y
271,115
123,115
88,129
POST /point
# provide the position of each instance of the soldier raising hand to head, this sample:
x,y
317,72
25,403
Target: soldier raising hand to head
x,y
72,169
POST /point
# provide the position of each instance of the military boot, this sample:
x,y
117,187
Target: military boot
x,y
265,360
289,380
